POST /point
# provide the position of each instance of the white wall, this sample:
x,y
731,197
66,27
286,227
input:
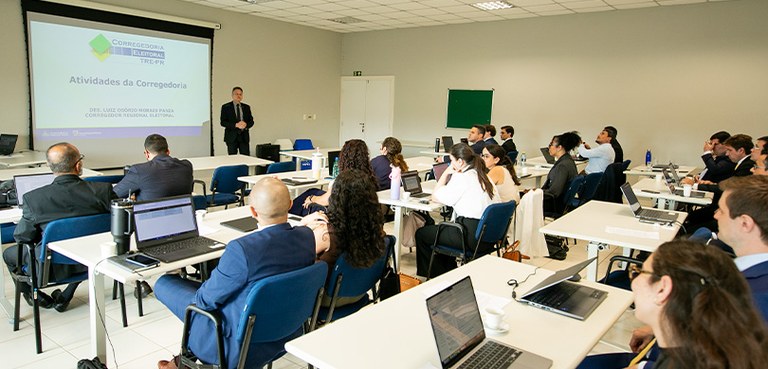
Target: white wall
x,y
286,71
666,77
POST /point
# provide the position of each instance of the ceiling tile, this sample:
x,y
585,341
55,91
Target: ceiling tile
x,y
636,6
584,4
594,10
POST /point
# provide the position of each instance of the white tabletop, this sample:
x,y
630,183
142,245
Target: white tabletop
x,y
433,153
6,174
213,162
421,164
307,154
642,170
299,174
662,191
396,333
22,159
11,215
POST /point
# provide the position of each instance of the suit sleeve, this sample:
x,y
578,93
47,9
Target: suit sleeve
x,y
557,181
228,279
129,184
247,115
27,230
716,168
227,116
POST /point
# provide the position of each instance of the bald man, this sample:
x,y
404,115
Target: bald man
x,y
276,247
68,196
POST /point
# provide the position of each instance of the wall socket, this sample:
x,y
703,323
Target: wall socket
x,y
310,116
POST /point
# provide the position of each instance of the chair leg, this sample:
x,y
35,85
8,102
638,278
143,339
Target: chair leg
x,y
36,315
429,268
121,289
16,306
114,290
141,306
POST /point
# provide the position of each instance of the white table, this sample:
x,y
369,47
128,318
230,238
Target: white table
x,y
6,174
663,197
293,188
422,164
606,223
85,250
23,159
642,170
433,153
396,332
307,155
213,162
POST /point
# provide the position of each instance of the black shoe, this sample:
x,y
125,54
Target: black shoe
x,y
43,300
59,303
145,290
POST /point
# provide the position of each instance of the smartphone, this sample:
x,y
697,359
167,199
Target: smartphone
x,y
142,260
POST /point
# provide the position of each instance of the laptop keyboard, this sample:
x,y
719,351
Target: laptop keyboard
x,y
491,355
173,247
420,195
657,214
554,296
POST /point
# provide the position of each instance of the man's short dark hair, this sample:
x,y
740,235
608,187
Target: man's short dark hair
x,y
509,130
156,144
490,129
237,88
720,136
480,128
740,141
748,196
611,131
67,162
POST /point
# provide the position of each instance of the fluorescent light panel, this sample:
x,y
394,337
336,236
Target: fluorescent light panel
x,y
493,5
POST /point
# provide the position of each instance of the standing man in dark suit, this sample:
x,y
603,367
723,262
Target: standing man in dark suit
x,y
717,165
507,132
277,247
236,118
68,196
160,176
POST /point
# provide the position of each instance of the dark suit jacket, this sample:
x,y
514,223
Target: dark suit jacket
x,y
619,157
491,140
229,119
719,168
162,176
274,250
509,145
757,278
477,147
558,178
745,168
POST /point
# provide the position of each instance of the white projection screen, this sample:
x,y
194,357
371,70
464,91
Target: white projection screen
x,y
104,87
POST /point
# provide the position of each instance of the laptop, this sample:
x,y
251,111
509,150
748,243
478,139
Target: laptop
x,y
671,177
651,215
332,156
545,151
28,182
447,143
465,140
412,184
245,224
563,297
7,144
460,337
438,170
166,229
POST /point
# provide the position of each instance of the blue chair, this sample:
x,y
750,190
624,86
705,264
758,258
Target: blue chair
x,y
39,275
200,202
492,229
512,156
303,144
349,281
276,307
569,197
105,179
225,188
280,167
587,191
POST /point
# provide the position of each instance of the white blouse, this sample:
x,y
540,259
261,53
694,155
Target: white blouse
x,y
464,193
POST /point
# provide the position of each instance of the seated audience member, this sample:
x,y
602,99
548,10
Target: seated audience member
x,y
490,135
618,151
476,137
759,148
600,156
469,192
353,155
391,156
275,248
68,196
717,166
562,172
161,176
353,224
501,172
507,132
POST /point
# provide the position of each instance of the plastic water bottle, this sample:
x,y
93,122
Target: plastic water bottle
x,y
394,187
522,160
317,163
648,158
335,170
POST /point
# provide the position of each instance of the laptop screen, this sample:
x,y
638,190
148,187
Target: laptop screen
x,y
164,218
332,156
411,181
634,204
7,144
456,321
26,183
439,169
447,143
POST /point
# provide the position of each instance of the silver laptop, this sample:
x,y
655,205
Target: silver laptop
x,y
671,177
166,229
28,182
650,215
412,184
460,336
559,296
7,143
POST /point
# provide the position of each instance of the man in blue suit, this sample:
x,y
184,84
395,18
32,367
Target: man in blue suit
x,y
275,248
161,176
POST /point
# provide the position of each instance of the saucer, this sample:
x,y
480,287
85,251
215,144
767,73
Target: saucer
x,y
504,328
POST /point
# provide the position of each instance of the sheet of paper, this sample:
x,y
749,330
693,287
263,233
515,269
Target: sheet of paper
x,y
633,233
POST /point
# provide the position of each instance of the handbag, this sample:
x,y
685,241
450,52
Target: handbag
x,y
91,364
512,253
556,247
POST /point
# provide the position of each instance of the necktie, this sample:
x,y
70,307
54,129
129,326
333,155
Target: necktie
x,y
238,114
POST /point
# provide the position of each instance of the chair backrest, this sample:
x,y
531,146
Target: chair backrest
x,y
613,178
200,202
105,179
225,178
512,156
357,281
303,144
285,166
590,186
64,229
573,189
495,221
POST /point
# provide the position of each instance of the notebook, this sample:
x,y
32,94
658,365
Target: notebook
x,y
438,170
412,184
447,143
671,177
245,224
559,296
7,144
166,229
460,337
652,215
549,158
28,182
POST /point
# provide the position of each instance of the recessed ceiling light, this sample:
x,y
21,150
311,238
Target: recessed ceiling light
x,y
346,20
493,5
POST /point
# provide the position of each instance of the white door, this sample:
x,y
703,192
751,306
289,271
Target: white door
x,y
367,109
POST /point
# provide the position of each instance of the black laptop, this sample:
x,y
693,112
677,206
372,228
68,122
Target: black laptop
x,y
412,184
447,143
650,215
166,229
438,170
460,337
7,143
549,158
245,224
332,156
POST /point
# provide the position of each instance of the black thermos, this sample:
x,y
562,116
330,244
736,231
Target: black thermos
x,y
121,227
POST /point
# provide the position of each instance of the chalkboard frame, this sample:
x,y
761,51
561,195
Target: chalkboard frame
x,y
466,108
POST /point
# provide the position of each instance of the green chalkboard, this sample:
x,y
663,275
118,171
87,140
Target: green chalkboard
x,y
469,107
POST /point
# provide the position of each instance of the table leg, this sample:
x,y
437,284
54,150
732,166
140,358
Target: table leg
x,y
4,303
593,249
398,232
97,314
671,204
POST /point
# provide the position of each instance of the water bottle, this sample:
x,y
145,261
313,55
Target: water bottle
x,y
522,160
317,164
437,145
394,186
648,158
335,170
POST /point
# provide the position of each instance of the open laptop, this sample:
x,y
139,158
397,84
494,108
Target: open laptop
x,y
447,143
460,336
412,184
559,296
438,170
549,158
671,177
7,143
28,182
166,229
332,156
651,215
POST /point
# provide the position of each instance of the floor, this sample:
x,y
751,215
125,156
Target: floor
x,y
157,335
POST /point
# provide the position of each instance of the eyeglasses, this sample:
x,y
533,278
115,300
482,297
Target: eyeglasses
x,y
81,158
635,271
552,144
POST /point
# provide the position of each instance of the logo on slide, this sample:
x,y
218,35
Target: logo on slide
x,y
100,47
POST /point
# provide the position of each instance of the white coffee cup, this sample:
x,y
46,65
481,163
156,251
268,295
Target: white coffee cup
x,y
200,215
524,170
494,317
687,190
405,195
108,249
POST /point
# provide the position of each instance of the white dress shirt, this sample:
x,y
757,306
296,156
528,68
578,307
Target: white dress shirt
x,y
599,157
464,193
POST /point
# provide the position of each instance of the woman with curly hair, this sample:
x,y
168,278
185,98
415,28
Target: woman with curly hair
x,y
353,155
391,156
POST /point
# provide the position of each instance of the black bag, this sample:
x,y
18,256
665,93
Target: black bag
x,y
91,364
556,247
389,285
